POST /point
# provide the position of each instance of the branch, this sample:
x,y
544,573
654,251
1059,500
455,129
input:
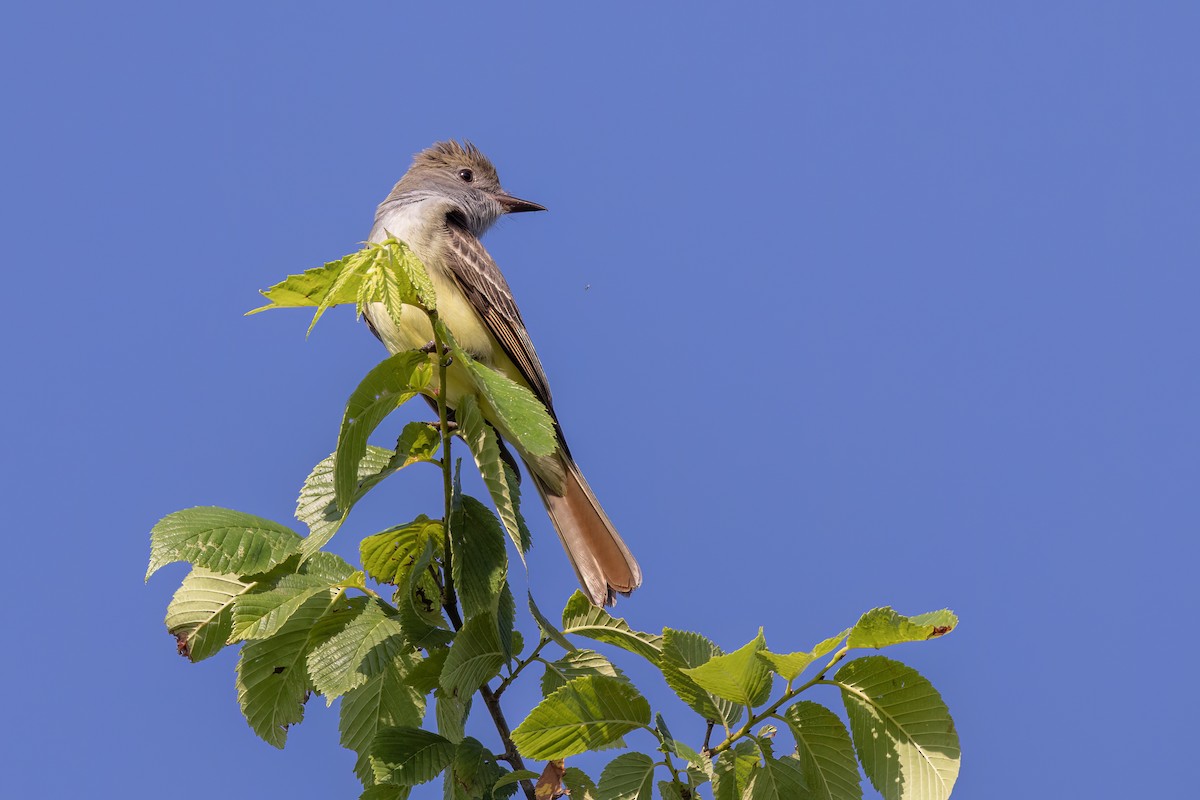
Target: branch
x,y
449,597
770,710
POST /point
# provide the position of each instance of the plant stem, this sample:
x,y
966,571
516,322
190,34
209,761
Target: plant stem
x,y
770,710
504,684
449,598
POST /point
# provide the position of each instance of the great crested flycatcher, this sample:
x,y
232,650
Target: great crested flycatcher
x,y
441,207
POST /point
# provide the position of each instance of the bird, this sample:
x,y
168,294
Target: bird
x,y
441,208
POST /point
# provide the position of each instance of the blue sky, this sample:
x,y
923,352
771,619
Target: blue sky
x,y
843,305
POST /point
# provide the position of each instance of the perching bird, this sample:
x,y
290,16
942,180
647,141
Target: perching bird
x,y
441,207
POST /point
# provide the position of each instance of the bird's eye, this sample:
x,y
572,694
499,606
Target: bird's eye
x,y
467,175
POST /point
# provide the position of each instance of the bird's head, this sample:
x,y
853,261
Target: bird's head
x,y
466,177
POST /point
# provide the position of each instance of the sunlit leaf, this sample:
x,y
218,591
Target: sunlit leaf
x,y
475,658
200,615
585,714
790,665
221,540
685,650
902,730
825,752
393,382
584,619
480,561
365,647
575,664
881,627
739,677
388,557
409,756
629,776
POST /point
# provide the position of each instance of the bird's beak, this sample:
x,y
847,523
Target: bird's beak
x,y
512,205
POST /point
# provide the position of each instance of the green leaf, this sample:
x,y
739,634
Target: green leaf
x,y
684,650
777,779
575,664
451,714
385,272
629,776
475,658
826,755
386,699
200,615
417,601
409,756
579,784
790,665
582,618
511,640
732,769
388,556
325,286
480,563
473,772
220,540
516,776
881,627
317,505
330,567
385,791
585,714
366,646
902,730
514,410
391,384
547,627
481,440
261,613
739,677
272,680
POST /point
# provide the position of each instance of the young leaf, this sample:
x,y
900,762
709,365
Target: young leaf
x,y
683,650
200,615
388,556
385,791
473,772
366,646
384,700
825,752
739,677
258,614
790,665
475,658
391,384
732,769
417,602
582,618
515,776
629,776
385,272
272,681
580,786
480,562
585,714
325,286
409,756
514,410
901,728
220,540
776,779
317,505
881,627
450,713
576,664
481,440
547,627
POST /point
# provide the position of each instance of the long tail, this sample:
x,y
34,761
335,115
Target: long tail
x,y
600,558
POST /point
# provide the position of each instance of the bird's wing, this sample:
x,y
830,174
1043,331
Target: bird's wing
x,y
484,285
